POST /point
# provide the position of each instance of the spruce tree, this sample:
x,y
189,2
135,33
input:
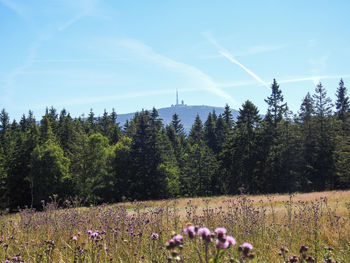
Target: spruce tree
x,y
342,103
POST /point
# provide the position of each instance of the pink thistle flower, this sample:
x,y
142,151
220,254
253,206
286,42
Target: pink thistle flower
x,y
247,246
221,232
170,244
231,240
190,231
75,239
204,233
93,235
222,245
178,238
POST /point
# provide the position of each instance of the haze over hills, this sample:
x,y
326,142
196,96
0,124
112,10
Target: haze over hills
x,y
187,114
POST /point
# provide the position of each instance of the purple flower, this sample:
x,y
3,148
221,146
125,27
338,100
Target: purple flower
x,y
310,259
204,233
293,259
221,232
170,244
154,236
178,238
303,249
231,240
247,246
93,235
190,231
75,239
222,245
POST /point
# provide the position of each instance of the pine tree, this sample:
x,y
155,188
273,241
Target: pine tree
x,y
148,181
227,115
210,137
276,108
114,132
176,124
342,103
196,133
324,176
244,153
307,126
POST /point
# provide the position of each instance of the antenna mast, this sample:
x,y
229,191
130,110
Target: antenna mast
x,y
177,97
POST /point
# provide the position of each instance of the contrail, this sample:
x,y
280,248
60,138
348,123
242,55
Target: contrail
x,y
226,54
233,60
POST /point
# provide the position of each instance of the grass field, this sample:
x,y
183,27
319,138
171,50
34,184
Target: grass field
x,y
313,227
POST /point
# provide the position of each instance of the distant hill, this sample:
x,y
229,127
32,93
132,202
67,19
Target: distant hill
x,y
187,114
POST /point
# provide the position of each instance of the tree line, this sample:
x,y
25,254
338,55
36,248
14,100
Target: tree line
x,y
96,159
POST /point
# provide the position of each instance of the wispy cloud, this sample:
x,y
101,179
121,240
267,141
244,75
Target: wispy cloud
x,y
222,51
252,50
204,81
315,79
10,78
19,9
86,7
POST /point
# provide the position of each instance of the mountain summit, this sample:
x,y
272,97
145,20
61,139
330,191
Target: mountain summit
x,y
187,114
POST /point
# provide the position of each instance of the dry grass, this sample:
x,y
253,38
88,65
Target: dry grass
x,y
316,219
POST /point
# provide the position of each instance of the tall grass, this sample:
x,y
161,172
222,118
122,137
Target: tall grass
x,y
310,227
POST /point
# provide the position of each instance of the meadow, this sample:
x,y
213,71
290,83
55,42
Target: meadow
x,y
313,227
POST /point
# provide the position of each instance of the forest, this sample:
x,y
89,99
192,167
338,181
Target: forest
x,y
95,159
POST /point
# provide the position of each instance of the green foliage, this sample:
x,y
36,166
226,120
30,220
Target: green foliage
x,y
94,158
49,171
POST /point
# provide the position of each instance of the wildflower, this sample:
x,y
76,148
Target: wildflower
x,y
231,240
293,259
284,249
246,246
205,234
94,235
178,239
222,245
303,248
154,236
190,231
170,244
75,239
221,232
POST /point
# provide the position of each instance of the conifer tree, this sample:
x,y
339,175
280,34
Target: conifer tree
x,y
342,103
276,107
324,175
196,133
307,126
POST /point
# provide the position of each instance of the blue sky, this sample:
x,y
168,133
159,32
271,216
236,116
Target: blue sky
x,y
130,55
